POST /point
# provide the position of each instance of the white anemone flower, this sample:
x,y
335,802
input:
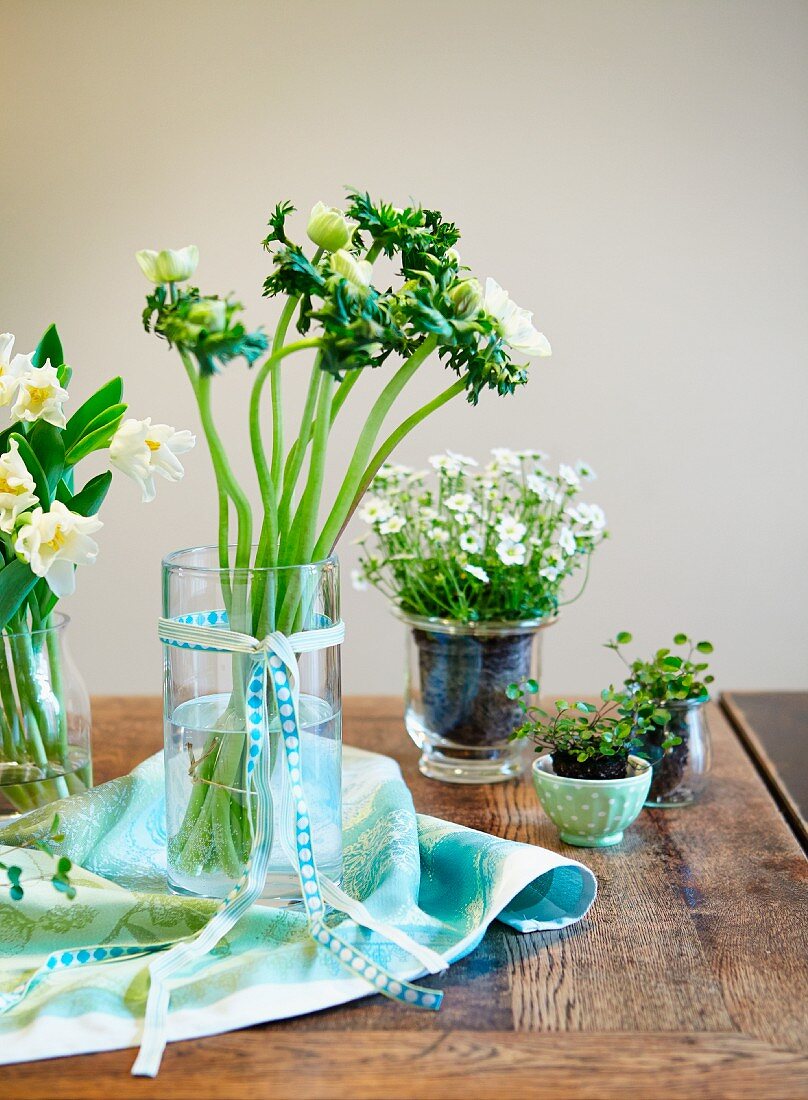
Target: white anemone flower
x,y
515,325
511,553
11,368
53,542
478,572
171,265
392,525
510,529
471,542
357,272
566,540
141,449
39,396
16,488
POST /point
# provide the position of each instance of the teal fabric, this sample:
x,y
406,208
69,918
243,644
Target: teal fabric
x,y
442,883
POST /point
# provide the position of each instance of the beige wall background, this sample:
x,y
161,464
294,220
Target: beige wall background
x,y
632,170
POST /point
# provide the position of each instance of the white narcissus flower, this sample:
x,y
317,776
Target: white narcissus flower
x,y
328,227
53,542
141,449
170,265
39,396
478,572
11,368
515,325
392,525
357,272
511,553
16,488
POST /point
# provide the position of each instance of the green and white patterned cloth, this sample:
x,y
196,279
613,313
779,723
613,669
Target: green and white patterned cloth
x,y
441,883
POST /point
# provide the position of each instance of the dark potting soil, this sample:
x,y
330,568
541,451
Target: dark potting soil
x,y
463,682
669,769
597,767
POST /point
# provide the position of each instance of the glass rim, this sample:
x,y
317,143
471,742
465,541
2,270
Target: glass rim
x,y
59,622
490,627
172,564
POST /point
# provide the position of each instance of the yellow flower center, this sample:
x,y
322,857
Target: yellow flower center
x,y
58,540
152,445
5,487
38,394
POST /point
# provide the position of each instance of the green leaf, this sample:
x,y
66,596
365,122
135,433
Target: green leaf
x,y
16,581
108,396
16,893
671,662
91,497
49,349
531,686
704,647
661,716
34,469
680,639
586,708
562,704
47,444
97,435
513,691
623,638
64,865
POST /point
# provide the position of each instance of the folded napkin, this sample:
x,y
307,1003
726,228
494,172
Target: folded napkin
x,y
441,883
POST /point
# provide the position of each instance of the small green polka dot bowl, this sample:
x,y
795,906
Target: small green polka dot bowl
x,y
592,813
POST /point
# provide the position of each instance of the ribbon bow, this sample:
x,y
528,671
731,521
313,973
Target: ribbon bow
x,y
275,663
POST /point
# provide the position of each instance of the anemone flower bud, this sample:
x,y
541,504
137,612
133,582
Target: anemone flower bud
x,y
357,272
209,314
467,298
170,265
328,227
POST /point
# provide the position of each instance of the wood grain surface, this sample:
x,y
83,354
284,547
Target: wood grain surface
x,y
773,726
687,979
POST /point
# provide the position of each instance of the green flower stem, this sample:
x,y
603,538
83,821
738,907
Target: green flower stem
x,y
344,388
10,711
55,664
305,522
344,504
393,440
297,452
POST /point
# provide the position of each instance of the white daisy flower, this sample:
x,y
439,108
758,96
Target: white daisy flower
x,y
539,485
464,460
510,529
445,464
358,580
459,502
550,572
478,572
584,470
392,525
511,553
471,542
438,534
566,540
375,510
592,515
566,473
505,459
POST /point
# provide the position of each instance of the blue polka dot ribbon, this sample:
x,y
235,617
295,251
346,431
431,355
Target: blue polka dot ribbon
x,y
273,665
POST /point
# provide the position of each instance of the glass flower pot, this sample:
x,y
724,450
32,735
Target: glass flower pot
x,y
44,718
456,708
206,741
679,771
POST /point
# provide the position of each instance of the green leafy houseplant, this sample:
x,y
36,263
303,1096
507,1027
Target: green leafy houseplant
x,y
332,310
673,685
586,741
47,519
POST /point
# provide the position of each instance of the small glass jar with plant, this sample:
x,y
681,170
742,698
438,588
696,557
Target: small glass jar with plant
x,y
474,563
588,779
675,686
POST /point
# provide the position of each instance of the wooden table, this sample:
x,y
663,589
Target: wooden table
x,y
773,726
687,979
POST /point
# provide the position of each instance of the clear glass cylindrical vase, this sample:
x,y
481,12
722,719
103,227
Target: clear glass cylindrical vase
x,y
206,741
456,707
44,718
